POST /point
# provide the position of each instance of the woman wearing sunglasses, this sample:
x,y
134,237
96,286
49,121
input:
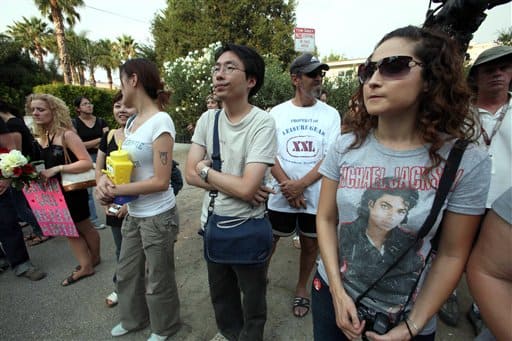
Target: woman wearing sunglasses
x,y
411,106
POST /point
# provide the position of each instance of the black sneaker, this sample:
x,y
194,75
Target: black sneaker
x,y
475,320
449,312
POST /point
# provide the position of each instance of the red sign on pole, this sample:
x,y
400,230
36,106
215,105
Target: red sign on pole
x,y
304,39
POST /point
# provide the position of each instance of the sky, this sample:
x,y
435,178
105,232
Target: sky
x,y
346,27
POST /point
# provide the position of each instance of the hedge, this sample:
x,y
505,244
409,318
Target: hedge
x,y
102,98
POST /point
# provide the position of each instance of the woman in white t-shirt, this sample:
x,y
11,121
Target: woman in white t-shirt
x,y
151,226
410,107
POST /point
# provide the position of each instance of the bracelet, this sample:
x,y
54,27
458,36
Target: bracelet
x,y
409,329
412,324
61,168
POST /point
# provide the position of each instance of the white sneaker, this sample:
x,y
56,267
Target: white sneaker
x,y
100,226
156,337
219,337
118,330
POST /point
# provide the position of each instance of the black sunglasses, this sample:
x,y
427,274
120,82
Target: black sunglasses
x,y
315,73
389,67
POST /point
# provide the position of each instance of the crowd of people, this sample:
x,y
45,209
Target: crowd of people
x,y
384,240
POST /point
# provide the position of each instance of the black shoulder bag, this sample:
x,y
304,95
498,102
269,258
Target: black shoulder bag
x,y
377,321
234,240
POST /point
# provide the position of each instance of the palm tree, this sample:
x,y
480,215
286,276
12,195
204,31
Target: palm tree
x,y
505,37
76,45
126,47
57,9
108,58
32,34
147,51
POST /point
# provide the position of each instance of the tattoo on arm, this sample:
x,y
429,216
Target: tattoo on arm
x,y
164,158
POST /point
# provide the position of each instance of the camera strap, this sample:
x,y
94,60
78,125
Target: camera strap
x,y
446,181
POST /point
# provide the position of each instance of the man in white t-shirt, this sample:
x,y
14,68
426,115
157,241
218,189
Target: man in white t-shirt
x,y
490,77
305,128
247,148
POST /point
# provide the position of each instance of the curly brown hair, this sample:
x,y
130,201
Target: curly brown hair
x,y
444,109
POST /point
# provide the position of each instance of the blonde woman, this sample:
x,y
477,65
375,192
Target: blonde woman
x,y
52,123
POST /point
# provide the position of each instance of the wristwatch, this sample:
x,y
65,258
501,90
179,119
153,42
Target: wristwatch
x,y
203,174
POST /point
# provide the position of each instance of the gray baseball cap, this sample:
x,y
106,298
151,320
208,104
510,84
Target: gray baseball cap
x,y
491,54
306,63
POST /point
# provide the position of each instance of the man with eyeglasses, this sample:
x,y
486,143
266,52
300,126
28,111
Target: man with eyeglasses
x,y
247,144
305,128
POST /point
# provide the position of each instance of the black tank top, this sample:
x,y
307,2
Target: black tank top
x,y
88,134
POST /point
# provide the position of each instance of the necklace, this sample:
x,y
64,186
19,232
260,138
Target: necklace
x,y
497,125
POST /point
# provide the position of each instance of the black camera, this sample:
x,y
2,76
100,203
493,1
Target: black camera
x,y
375,321
460,18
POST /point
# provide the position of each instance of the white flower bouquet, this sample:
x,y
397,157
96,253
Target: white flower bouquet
x,y
16,167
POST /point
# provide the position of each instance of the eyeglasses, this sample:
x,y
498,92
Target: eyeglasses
x,y
226,69
86,104
315,73
390,67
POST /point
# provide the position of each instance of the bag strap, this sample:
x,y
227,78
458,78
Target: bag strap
x,y
449,173
67,159
216,161
110,135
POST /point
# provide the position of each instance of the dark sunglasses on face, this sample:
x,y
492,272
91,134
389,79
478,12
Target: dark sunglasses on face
x,y
389,67
315,73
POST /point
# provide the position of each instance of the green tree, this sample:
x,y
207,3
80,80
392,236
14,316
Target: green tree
x,y
505,37
190,81
19,72
266,25
76,46
33,35
334,57
340,90
108,58
146,51
59,10
277,87
126,47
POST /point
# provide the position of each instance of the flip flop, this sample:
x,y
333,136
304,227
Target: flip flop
x,y
70,280
38,240
300,302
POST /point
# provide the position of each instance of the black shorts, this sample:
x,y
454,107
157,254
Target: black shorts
x,y
284,224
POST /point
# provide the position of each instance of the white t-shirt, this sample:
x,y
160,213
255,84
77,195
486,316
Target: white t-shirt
x,y
500,150
304,135
252,140
139,145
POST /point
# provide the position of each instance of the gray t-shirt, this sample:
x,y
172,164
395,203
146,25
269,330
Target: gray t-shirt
x,y
382,201
250,140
